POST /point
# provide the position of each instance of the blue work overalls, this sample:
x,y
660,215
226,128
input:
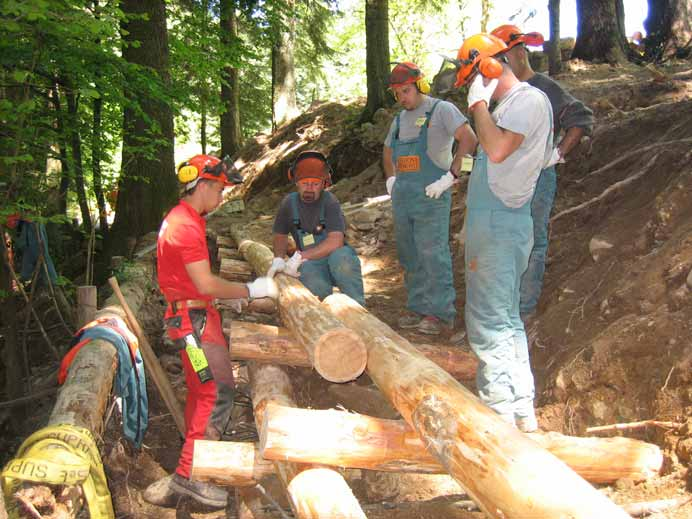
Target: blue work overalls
x,y
340,269
498,243
421,228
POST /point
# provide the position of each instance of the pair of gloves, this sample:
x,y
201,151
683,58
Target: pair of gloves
x,y
433,190
289,267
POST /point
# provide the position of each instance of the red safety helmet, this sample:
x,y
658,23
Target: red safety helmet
x,y
512,36
477,53
203,166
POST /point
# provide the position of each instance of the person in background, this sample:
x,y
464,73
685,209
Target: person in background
x,y
420,169
313,217
571,121
194,324
515,142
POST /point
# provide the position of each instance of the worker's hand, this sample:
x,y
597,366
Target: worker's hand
x,y
278,265
293,264
478,92
555,158
263,287
441,185
390,184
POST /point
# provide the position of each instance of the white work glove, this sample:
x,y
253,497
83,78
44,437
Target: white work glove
x,y
441,185
479,92
555,158
293,264
390,184
278,265
263,287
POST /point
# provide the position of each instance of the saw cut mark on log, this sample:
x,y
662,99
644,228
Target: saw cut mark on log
x,y
270,384
502,470
335,351
342,439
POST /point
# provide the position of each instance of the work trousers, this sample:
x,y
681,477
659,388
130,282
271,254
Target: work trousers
x,y
340,269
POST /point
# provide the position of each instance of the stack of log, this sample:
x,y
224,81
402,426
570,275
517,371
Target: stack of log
x,y
445,428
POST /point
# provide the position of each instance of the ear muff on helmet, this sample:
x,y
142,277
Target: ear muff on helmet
x,y
405,73
186,173
480,53
208,167
310,154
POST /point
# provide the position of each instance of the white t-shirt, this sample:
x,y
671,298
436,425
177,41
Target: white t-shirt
x,y
444,122
525,110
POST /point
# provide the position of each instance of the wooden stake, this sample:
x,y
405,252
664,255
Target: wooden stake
x,y
86,304
151,362
633,425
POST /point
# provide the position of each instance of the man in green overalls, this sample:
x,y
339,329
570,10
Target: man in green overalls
x,y
314,218
420,169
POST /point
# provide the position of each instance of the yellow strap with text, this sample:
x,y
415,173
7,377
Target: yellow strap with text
x,y
60,455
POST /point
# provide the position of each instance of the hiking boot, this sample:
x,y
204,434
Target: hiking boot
x,y
204,493
527,424
409,321
160,492
430,325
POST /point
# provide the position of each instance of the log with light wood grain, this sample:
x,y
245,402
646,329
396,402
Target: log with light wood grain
x,y
506,473
234,464
235,270
353,440
267,343
270,384
224,253
336,352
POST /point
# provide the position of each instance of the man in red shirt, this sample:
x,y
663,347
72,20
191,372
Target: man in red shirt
x,y
193,323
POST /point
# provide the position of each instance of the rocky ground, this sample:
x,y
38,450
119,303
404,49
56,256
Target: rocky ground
x,y
611,339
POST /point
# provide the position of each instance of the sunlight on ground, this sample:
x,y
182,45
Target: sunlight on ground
x,y
376,285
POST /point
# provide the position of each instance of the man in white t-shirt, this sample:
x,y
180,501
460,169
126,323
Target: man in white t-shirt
x,y
515,142
420,169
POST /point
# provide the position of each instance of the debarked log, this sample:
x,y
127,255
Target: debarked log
x,y
503,471
336,352
273,344
342,439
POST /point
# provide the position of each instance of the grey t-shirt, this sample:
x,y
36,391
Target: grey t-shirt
x,y
444,122
309,215
568,112
524,110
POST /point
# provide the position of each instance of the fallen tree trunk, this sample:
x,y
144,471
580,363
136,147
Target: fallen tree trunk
x,y
336,352
235,270
233,464
352,440
269,384
272,344
505,472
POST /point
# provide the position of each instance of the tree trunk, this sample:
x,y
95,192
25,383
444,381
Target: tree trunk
x,y
554,53
265,343
235,270
147,187
486,6
96,152
284,107
231,137
599,37
337,353
507,474
62,145
76,145
234,464
313,492
377,57
346,439
669,29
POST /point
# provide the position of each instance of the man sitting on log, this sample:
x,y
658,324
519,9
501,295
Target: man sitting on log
x,y
314,218
194,324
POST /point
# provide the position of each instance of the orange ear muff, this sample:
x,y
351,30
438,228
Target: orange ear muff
x,y
490,68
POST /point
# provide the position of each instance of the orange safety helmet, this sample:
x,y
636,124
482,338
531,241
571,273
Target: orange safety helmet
x,y
477,53
207,167
512,36
406,72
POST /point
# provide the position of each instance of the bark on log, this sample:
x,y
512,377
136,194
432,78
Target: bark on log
x,y
505,472
336,352
266,343
269,384
342,439
234,464
235,270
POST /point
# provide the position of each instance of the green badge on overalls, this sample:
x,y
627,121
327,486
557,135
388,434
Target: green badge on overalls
x,y
308,239
421,121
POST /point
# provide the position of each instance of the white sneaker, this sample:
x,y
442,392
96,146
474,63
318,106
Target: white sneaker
x,y
527,424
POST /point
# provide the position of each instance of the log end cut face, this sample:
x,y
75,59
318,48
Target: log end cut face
x,y
340,355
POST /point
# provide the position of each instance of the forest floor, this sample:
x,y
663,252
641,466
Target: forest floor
x,y
611,338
